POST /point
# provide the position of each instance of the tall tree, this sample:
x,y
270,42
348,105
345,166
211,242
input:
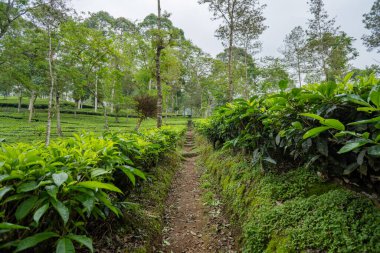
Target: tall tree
x,y
24,55
372,23
272,72
49,16
12,10
250,44
319,26
244,70
295,51
329,49
238,16
159,49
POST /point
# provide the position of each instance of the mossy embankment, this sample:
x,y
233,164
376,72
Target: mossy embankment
x,y
141,228
295,211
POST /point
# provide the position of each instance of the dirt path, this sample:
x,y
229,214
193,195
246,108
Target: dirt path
x,y
188,224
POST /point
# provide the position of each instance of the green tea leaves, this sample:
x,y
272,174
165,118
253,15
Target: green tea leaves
x,y
352,146
25,207
84,240
10,226
99,185
34,240
315,131
58,189
65,245
60,178
62,210
40,211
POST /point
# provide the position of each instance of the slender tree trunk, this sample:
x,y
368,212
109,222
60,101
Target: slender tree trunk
x,y
117,110
139,121
158,68
112,97
19,102
299,71
50,106
96,93
167,107
31,106
173,102
246,95
230,60
76,108
322,51
58,112
202,108
105,116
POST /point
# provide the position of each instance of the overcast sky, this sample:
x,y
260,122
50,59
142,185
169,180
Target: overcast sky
x,y
281,17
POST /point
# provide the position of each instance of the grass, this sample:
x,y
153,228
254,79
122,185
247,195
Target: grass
x,y
14,126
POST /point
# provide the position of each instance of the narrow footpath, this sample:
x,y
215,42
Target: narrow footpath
x,y
188,223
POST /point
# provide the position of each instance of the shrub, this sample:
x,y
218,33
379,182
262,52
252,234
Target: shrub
x,y
49,194
334,126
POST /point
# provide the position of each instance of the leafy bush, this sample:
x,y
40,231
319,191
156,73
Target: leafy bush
x,y
294,211
333,125
49,194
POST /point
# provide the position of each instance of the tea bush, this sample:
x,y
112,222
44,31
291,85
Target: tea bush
x,y
49,194
332,125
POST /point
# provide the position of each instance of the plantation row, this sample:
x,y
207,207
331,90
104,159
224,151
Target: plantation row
x,y
50,195
282,163
334,126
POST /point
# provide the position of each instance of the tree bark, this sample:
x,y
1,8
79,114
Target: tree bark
x,y
117,110
105,116
58,112
48,126
173,102
112,97
19,102
96,93
31,106
246,95
158,68
230,72
299,71
139,121
167,107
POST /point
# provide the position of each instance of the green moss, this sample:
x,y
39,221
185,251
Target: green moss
x,y
138,250
145,219
320,188
279,244
294,211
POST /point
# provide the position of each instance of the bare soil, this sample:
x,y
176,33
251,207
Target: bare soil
x,y
191,226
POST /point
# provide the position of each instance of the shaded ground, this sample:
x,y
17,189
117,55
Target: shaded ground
x,y
190,226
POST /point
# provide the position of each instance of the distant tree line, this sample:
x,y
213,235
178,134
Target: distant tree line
x,y
48,50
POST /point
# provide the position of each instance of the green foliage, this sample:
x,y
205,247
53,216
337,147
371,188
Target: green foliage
x,y
12,129
56,191
295,211
372,23
334,125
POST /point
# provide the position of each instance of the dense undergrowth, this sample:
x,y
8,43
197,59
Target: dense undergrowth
x,y
283,161
294,211
334,126
51,196
141,228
